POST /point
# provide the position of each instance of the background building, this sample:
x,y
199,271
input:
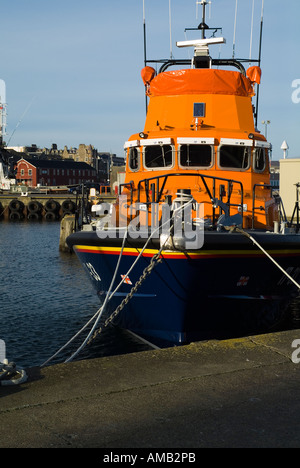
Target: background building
x,y
274,174
289,177
102,162
33,172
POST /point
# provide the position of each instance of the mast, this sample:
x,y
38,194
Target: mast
x,y
234,29
145,48
202,25
2,111
259,59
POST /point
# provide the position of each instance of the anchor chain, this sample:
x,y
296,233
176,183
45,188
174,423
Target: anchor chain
x,y
154,261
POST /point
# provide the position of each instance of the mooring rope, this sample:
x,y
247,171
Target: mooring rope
x,y
145,273
99,311
246,234
108,297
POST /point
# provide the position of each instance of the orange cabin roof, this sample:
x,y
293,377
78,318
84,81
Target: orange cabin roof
x,y
225,94
201,81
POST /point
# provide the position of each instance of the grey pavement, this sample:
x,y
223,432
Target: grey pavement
x,y
233,393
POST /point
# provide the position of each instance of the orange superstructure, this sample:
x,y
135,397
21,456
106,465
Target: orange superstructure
x,y
200,135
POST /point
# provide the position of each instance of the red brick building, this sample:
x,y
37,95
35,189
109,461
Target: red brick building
x,y
32,172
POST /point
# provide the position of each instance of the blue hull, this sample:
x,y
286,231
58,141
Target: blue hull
x,y
225,289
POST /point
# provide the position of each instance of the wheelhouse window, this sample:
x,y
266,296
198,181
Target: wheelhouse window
x,y
133,159
192,155
158,156
259,159
234,157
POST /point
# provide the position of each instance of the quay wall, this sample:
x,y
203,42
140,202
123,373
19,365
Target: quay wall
x,y
238,393
48,207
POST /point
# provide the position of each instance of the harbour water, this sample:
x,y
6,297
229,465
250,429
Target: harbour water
x,y
46,298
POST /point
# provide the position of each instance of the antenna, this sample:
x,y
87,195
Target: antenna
x,y
251,35
200,3
202,25
2,110
145,48
22,117
144,30
234,29
170,22
259,58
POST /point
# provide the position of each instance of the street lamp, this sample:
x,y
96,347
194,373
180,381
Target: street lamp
x,y
266,123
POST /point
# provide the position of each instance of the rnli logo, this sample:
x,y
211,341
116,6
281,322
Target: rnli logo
x,y
243,281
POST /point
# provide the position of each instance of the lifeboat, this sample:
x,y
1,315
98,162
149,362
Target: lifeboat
x,y
196,245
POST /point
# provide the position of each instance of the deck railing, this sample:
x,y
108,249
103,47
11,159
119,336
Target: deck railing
x,y
217,188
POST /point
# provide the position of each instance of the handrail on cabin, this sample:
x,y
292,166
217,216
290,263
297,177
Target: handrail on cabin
x,y
159,182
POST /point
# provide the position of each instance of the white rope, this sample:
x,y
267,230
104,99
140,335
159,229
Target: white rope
x,y
99,311
269,256
108,297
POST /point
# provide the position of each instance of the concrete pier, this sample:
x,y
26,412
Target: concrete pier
x,y
233,393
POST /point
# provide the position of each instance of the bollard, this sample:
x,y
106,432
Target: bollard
x,y
67,226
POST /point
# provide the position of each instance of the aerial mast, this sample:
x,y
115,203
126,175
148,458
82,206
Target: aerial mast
x,y
145,47
202,25
259,57
3,112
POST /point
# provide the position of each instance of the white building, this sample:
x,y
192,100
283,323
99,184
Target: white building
x,y
289,177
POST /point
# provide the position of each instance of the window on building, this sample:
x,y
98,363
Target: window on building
x,y
30,172
22,172
195,155
234,157
158,156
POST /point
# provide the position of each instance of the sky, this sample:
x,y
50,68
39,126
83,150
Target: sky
x,y
72,68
